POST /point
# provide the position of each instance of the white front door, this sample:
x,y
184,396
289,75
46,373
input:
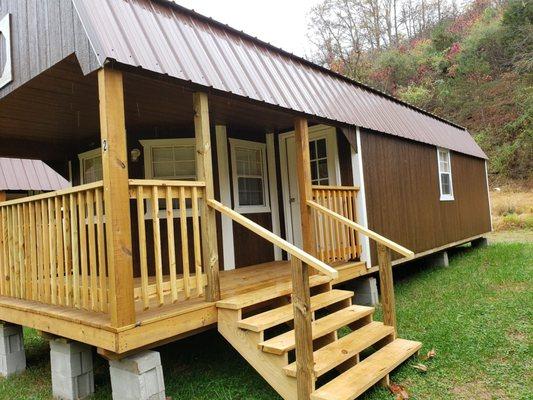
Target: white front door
x,y
324,171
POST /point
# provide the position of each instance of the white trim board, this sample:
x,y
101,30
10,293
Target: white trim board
x,y
228,248
359,180
273,186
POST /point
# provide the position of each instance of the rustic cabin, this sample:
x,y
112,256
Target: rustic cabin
x,y
218,182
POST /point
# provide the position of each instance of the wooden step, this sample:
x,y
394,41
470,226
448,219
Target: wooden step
x,y
268,293
334,354
368,372
280,315
321,327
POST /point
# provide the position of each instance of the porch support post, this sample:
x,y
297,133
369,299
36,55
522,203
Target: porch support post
x,y
3,196
116,197
301,296
205,173
386,284
305,190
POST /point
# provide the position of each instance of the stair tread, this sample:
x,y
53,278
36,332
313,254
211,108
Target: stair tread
x,y
267,293
321,327
334,354
368,372
280,315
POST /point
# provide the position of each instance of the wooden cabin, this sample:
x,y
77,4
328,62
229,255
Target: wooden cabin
x,y
216,178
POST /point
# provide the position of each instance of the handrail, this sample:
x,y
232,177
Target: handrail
x,y
328,187
159,182
274,239
371,234
57,193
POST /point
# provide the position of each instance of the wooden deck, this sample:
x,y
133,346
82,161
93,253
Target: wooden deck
x,y
156,325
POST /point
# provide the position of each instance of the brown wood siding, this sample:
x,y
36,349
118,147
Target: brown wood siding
x,y
44,32
403,195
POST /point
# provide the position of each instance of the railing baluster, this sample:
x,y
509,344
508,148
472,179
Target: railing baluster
x,y
67,250
184,244
46,250
171,244
102,261
3,257
197,244
142,247
83,250
75,242
40,252
157,246
53,244
92,251
59,250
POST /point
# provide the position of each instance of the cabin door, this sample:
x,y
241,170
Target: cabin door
x,y
324,171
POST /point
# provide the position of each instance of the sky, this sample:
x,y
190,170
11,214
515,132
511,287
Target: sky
x,y
282,23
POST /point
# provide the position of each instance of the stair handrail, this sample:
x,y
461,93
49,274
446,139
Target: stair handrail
x,y
365,231
274,239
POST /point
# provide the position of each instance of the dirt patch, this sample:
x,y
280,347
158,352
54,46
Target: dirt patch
x,y
517,287
516,336
477,390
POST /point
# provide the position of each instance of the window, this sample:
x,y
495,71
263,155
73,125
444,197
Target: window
x,y
249,170
445,174
172,159
90,166
319,161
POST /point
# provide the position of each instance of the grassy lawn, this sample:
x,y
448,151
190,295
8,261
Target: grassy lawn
x,y
477,315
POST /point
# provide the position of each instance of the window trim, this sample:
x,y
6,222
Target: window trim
x,y
248,144
148,145
445,197
86,155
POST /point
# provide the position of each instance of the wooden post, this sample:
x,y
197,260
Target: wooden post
x,y
305,189
205,173
301,302
386,283
116,197
3,196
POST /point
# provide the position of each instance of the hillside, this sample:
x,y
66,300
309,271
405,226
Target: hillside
x,y
473,66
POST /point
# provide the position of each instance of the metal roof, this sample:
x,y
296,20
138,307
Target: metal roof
x,y
165,38
21,174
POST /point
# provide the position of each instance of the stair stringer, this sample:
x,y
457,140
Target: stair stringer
x,y
269,366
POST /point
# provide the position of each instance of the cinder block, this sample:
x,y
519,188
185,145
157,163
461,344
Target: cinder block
x,y
72,369
480,242
138,377
366,291
438,259
12,354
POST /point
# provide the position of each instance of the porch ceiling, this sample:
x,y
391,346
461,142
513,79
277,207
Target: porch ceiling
x,y
58,111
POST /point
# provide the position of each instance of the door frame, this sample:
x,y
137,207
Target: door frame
x,y
315,132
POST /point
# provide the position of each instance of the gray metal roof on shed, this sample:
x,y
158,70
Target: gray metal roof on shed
x,y
21,174
165,38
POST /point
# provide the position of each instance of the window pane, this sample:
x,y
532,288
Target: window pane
x,y
185,169
250,191
323,169
314,170
184,153
445,184
321,148
163,170
162,154
92,169
312,149
249,162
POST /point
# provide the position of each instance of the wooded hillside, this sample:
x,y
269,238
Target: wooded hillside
x,y
471,64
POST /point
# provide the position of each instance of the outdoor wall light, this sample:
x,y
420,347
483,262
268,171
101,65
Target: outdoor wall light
x,y
135,154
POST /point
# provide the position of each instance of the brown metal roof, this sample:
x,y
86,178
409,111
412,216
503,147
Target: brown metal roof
x,y
21,174
165,38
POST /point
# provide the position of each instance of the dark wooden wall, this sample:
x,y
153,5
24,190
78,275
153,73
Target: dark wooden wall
x,y
403,196
44,32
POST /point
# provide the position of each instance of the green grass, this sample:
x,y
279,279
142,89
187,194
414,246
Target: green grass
x,y
476,314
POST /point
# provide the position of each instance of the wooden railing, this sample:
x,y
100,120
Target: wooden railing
x,y
171,211
335,241
384,246
52,248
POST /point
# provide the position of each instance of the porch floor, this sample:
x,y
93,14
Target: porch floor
x,y
157,324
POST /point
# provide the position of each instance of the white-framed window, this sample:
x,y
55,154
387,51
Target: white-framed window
x,y
90,166
318,154
445,174
249,174
169,159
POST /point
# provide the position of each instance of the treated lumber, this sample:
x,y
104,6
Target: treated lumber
x,y
205,173
116,197
386,283
347,347
321,327
368,372
280,315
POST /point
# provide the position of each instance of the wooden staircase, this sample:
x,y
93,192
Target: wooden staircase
x,y
259,325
